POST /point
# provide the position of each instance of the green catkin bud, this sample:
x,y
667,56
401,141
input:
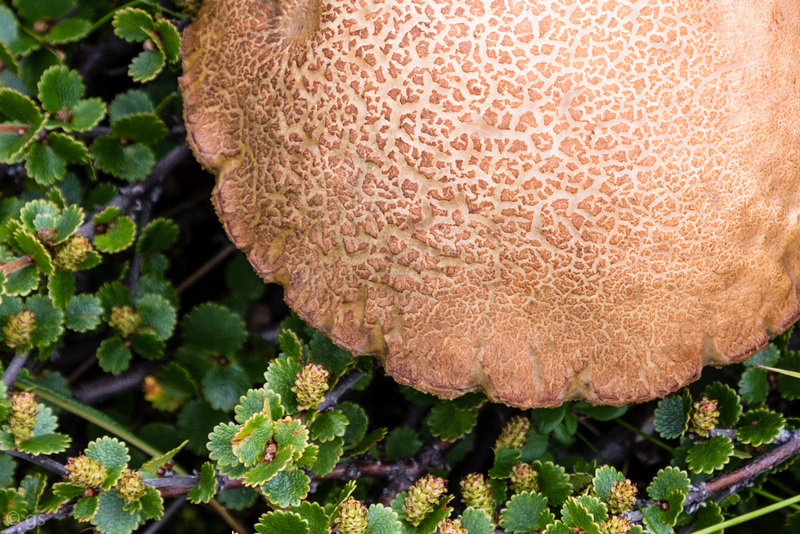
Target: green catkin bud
x,y
705,416
20,329
70,254
124,320
523,478
310,386
451,526
515,433
130,486
477,493
615,525
86,472
621,497
22,419
352,517
422,497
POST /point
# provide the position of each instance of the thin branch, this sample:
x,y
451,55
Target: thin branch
x,y
40,460
14,368
37,520
16,265
341,388
205,268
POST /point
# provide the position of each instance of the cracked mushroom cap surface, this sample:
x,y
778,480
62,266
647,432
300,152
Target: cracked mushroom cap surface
x,y
541,199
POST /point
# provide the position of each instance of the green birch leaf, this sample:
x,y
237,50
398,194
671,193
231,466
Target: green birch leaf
x,y
558,527
152,504
49,320
672,415
110,452
666,481
382,520
85,115
69,30
251,440
213,329
170,40
67,223
728,403
328,456
52,443
118,236
83,313
402,442
43,10
710,455
32,247
130,103
280,522
505,459
280,377
315,515
60,89
257,401
523,512
553,482
263,472
113,355
146,65
152,465
111,517
287,488
22,281
759,427
789,386
67,148
753,386
85,508
334,359
133,25
140,127
604,479
224,385
449,423
329,425
157,315
356,423
158,236
206,486
18,109
220,444
574,514
6,55
477,521
147,345
44,165
290,345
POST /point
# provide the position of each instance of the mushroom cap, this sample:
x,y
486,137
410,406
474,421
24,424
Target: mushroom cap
x,y
541,199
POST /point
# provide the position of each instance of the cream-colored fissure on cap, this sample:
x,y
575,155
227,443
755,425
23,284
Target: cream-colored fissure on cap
x,y
540,199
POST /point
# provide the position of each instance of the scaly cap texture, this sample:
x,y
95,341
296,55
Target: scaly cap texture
x,y
541,199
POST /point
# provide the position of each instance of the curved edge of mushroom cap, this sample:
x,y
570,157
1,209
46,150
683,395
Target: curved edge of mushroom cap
x,y
215,136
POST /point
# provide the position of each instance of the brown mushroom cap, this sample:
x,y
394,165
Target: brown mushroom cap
x,y
540,199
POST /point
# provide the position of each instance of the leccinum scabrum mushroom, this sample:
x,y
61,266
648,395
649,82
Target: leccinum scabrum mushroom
x,y
540,199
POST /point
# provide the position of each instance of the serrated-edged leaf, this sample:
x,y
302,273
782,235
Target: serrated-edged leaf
x,y
545,420
334,359
52,443
477,521
604,479
129,103
46,421
69,30
668,480
66,490
60,89
170,40
36,209
133,24
249,443
707,516
130,163
118,236
18,109
17,41
382,520
114,294
329,425
505,459
113,355
83,313
672,415
769,355
44,165
263,472
22,281
522,512
280,377
287,488
85,115
157,315
223,385
49,320
290,344
152,505
147,345
291,433
402,442
43,10
110,452
356,425
759,427
7,57
206,486
85,508
653,519
559,527
213,329
70,150
258,400
280,522
111,517
450,423
710,455
315,515
140,127
152,465
146,65
220,444
553,482
31,246
157,236
574,514
328,456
